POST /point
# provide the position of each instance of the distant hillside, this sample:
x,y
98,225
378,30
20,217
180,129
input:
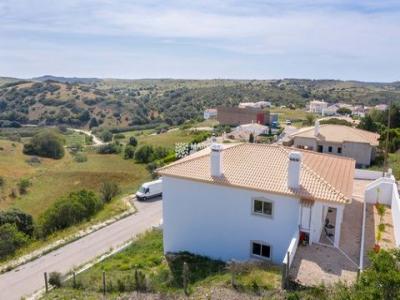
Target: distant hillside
x,y
65,79
123,103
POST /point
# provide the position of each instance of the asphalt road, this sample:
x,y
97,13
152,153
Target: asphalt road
x,y
28,278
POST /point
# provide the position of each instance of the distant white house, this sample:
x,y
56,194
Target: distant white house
x,y
242,132
259,104
381,107
210,113
317,107
251,201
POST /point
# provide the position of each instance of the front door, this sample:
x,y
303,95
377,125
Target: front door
x,y
305,217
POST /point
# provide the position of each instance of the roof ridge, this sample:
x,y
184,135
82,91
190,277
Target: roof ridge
x,y
319,178
182,160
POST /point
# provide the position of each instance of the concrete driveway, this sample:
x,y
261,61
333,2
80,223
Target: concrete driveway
x,y
28,278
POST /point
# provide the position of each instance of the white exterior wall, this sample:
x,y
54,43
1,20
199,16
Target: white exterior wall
x,y
309,142
217,221
362,153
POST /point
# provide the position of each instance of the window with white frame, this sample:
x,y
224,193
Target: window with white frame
x,y
262,207
260,250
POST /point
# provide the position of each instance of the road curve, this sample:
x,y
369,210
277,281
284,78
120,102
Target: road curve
x,y
28,278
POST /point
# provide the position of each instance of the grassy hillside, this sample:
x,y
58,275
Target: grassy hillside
x,y
54,178
123,103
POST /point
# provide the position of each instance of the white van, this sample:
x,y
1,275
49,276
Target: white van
x,y
149,190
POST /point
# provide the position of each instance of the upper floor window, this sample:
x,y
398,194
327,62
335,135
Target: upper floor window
x,y
262,207
339,150
330,149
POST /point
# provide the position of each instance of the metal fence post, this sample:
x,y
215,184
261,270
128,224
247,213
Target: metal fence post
x,y
46,282
74,280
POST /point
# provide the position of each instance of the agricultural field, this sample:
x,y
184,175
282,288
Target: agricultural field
x,y
164,275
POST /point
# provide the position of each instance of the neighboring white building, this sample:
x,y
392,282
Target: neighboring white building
x,y
242,132
210,113
259,104
337,139
381,107
249,201
318,106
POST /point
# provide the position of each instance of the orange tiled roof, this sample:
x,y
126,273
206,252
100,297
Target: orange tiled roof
x,y
264,168
339,134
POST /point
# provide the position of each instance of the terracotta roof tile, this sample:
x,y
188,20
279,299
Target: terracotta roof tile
x,y
264,168
339,134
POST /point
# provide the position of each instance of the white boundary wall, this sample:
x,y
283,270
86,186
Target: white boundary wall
x,y
367,174
292,248
396,214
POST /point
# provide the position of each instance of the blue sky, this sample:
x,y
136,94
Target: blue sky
x,y
252,39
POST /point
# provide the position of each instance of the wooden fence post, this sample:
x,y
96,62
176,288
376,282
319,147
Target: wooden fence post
x,y
45,282
74,280
104,283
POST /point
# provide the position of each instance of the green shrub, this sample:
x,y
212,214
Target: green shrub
x,y
23,185
55,279
80,157
106,136
112,148
46,144
11,239
2,182
129,152
109,190
23,221
119,136
133,141
69,210
144,154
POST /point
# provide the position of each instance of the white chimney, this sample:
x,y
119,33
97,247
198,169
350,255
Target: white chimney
x,y
216,160
316,128
294,170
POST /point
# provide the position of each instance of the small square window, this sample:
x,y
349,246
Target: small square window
x,y
262,207
339,150
330,149
258,206
261,250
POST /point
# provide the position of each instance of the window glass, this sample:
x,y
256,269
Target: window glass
x,y
265,251
330,149
267,208
258,206
339,150
256,249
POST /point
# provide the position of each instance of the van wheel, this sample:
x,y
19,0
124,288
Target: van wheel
x,y
144,198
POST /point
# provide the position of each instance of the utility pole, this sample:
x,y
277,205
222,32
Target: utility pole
x,y
385,161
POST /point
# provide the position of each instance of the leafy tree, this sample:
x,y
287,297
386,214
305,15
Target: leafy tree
x,y
133,141
129,152
93,123
84,116
106,136
344,111
144,154
11,239
310,119
23,221
109,190
367,123
55,279
46,144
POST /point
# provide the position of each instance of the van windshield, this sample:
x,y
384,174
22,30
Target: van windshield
x,y
143,189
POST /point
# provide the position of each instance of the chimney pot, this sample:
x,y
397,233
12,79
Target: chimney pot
x,y
316,128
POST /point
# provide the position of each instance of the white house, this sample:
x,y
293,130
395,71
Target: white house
x,y
210,113
248,201
242,132
318,107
